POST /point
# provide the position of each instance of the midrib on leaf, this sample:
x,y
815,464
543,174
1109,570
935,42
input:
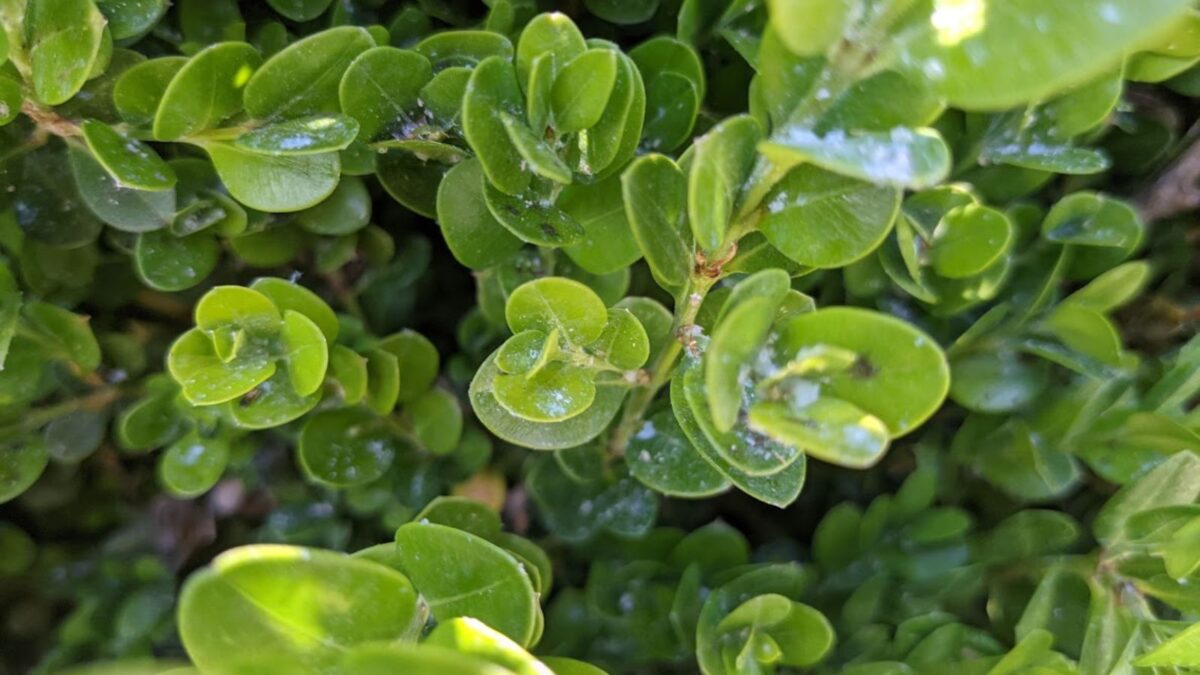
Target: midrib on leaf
x,y
282,110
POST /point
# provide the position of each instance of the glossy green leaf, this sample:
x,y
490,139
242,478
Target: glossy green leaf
x,y
473,234
275,183
608,243
822,219
581,90
901,157
437,420
202,93
901,376
491,92
968,240
721,163
460,574
132,163
663,459
63,40
977,55
345,447
654,191
193,464
542,436
24,461
381,86
288,606
417,360
124,208
171,263
301,136
303,78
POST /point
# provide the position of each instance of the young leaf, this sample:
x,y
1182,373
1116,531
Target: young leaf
x,y
721,162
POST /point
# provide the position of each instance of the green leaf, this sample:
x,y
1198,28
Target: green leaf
x,y
303,78
550,33
193,464
977,54
581,90
968,240
63,38
662,458
995,381
345,447
721,162
457,48
24,461
537,155
383,380
622,12
124,208
272,606
202,93
300,10
542,436
437,420
491,92
463,514
557,304
1086,331
168,262
1092,219
132,163
901,157
226,307
613,139
10,310
346,211
778,489
206,378
1176,481
307,354
302,136
1114,288
809,27
417,359
900,376
138,90
412,659
828,429
577,511
655,194
460,574
735,343
46,202
554,393
608,244
275,183
131,18
825,220
1183,650
382,86
65,332
473,234
287,295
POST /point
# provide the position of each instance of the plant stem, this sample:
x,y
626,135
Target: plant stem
x,y
660,371
96,400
